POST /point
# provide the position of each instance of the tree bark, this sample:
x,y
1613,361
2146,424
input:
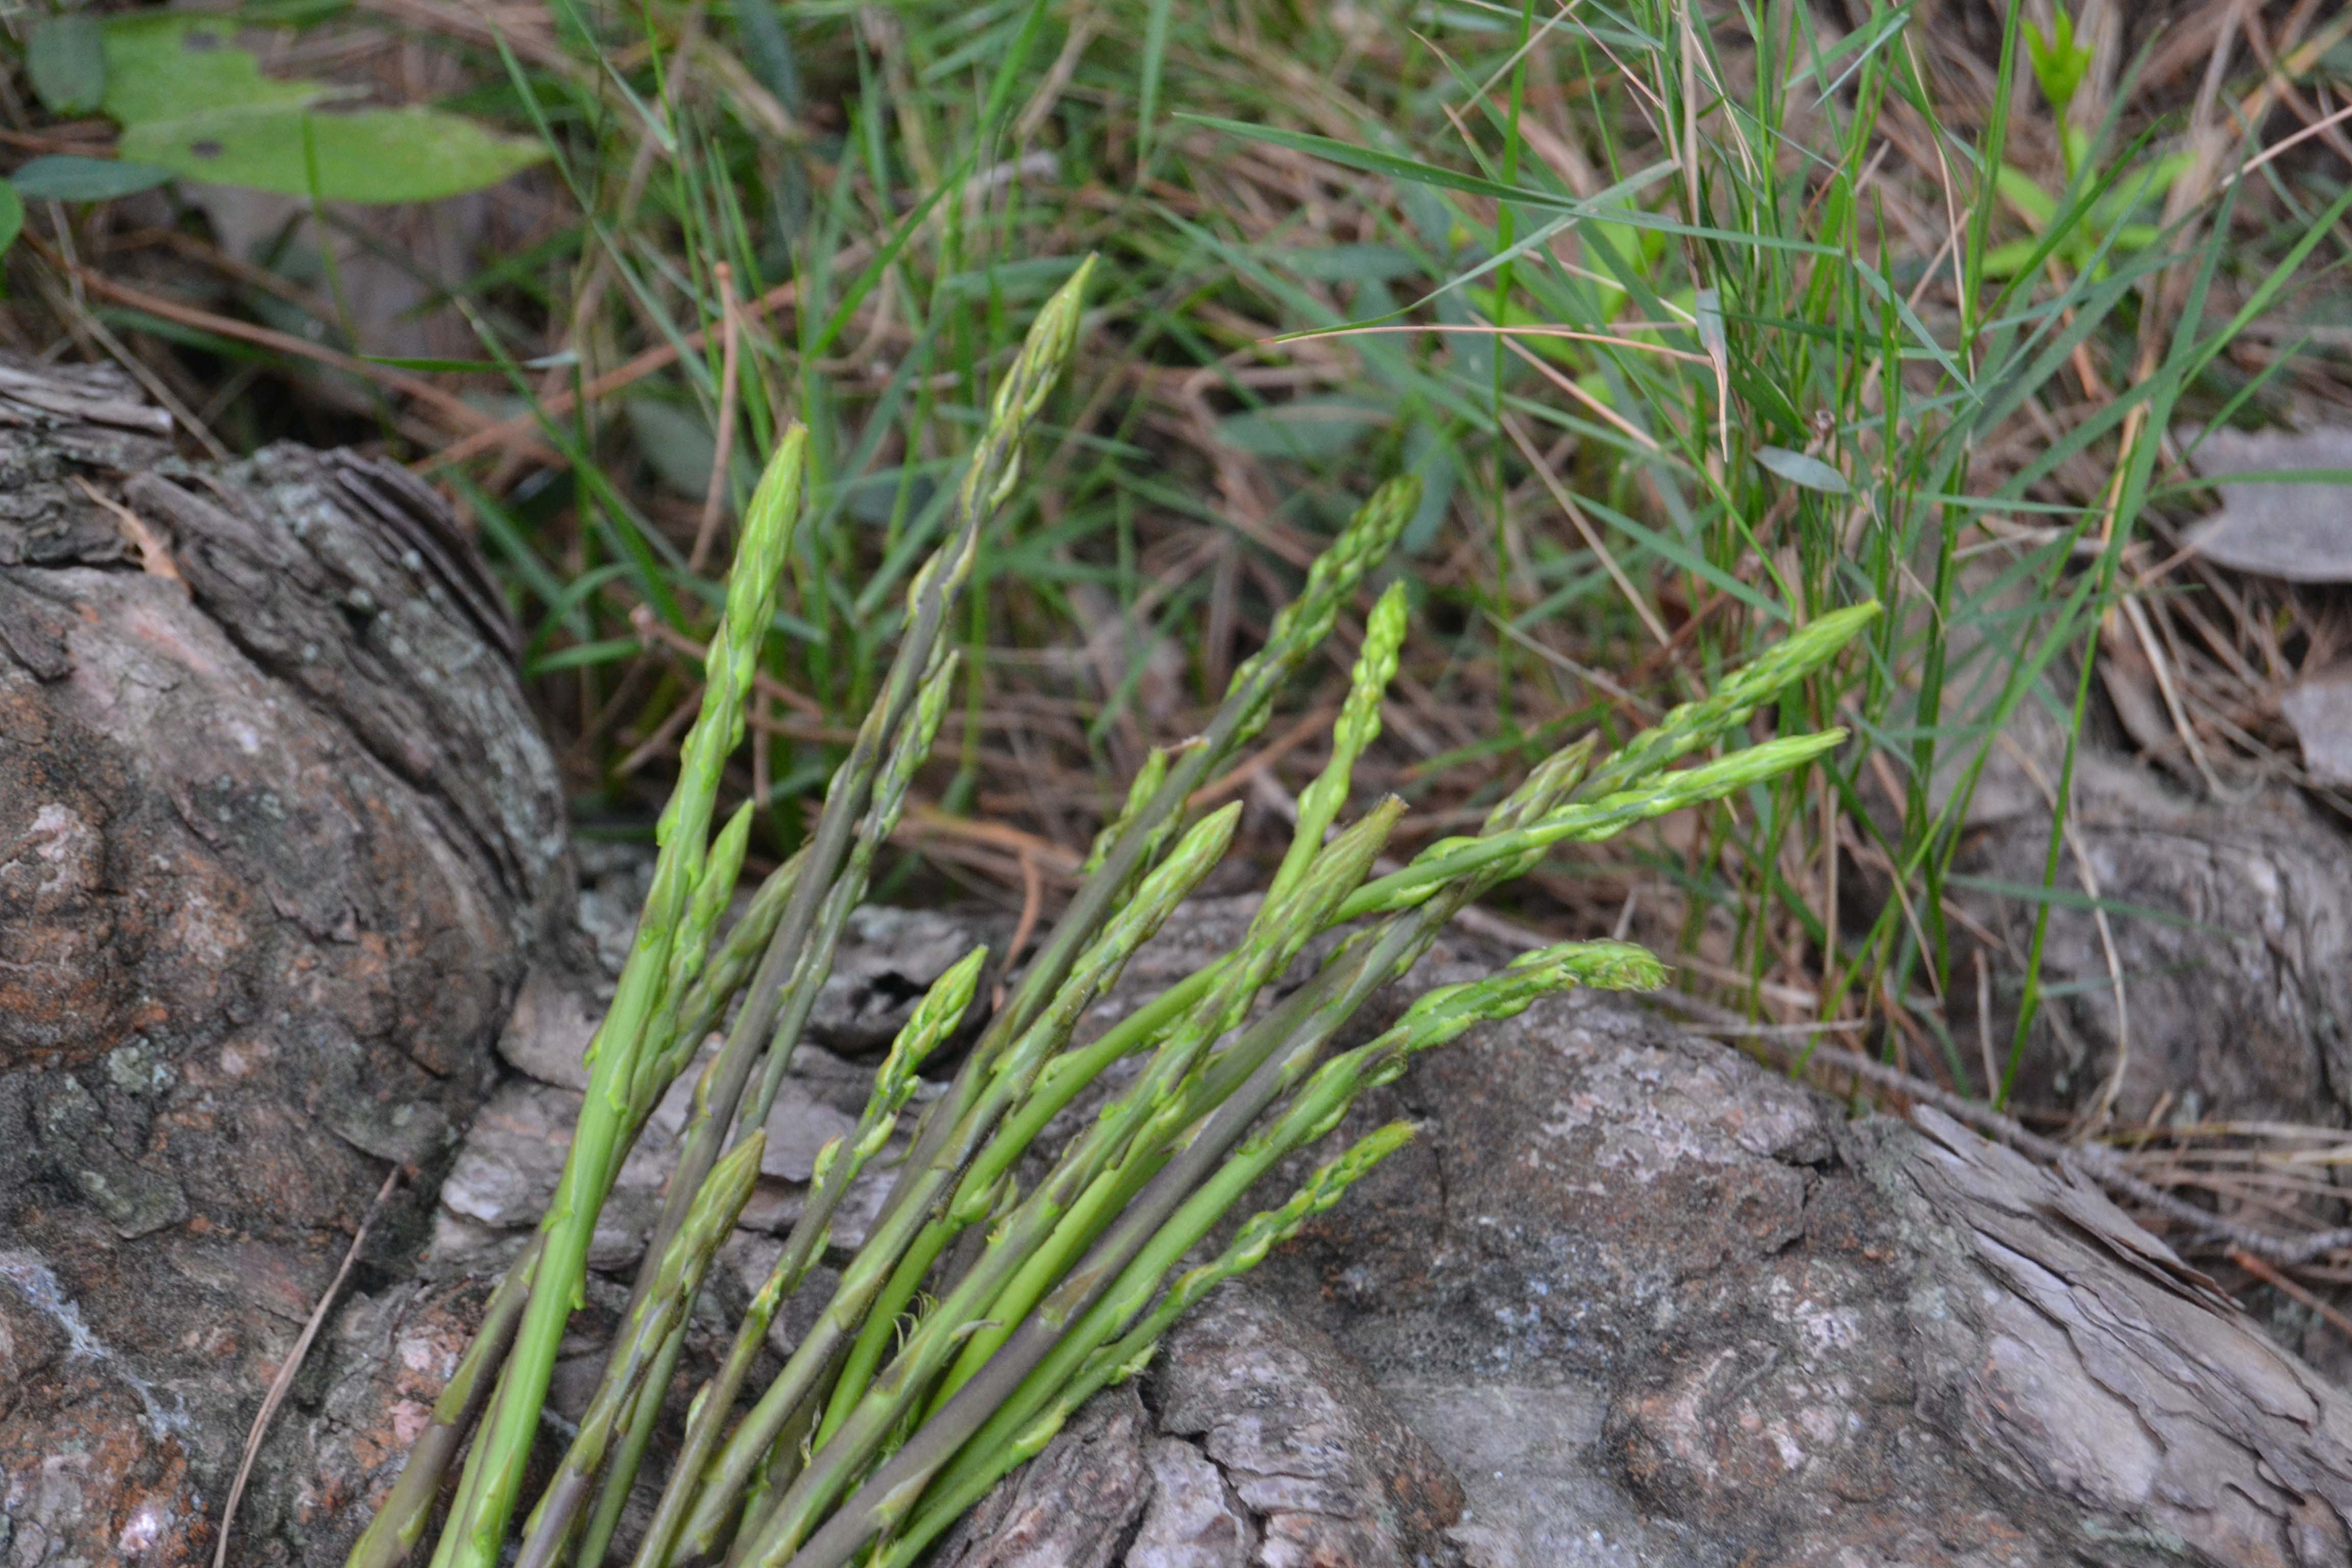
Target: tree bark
x,y
277,836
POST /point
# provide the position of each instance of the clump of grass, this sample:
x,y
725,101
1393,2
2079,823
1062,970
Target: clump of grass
x,y
880,1428
1696,325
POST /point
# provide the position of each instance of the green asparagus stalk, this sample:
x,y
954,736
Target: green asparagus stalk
x,y
1141,792
1297,630
706,999
621,1471
1023,1331
1273,1055
1301,1024
853,1298
676,1280
400,1522
934,1021
1702,721
1284,925
912,749
1132,1136
1585,823
1357,726
913,745
1122,853
994,468
1021,1428
1207,1180
690,949
683,835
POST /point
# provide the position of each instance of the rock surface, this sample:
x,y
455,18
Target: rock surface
x,y
278,837
1655,1305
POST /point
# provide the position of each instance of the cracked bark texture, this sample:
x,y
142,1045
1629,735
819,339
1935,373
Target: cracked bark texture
x,y
2237,911
276,839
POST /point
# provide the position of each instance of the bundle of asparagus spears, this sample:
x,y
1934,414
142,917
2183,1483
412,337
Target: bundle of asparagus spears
x,y
934,1369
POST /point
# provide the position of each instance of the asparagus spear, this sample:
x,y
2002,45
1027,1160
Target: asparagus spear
x,y
399,1523
967,1311
1284,924
1297,630
1132,1136
1451,859
1056,1340
683,833
1024,1426
1357,726
1700,722
912,749
863,1281
838,1164
1275,1054
676,1280
989,478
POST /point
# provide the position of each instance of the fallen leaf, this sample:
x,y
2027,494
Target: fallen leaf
x,y
64,177
67,62
375,156
2298,529
2320,708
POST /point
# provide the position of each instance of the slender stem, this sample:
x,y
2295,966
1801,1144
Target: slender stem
x,y
480,1527
988,480
1025,1424
864,1281
621,1473
1298,629
400,1522
1137,1130
641,1347
934,1020
1180,1206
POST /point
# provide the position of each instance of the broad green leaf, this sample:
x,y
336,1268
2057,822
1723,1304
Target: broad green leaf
x,y
64,177
768,51
163,66
2035,205
1810,473
378,155
192,102
66,58
1306,428
678,444
12,215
